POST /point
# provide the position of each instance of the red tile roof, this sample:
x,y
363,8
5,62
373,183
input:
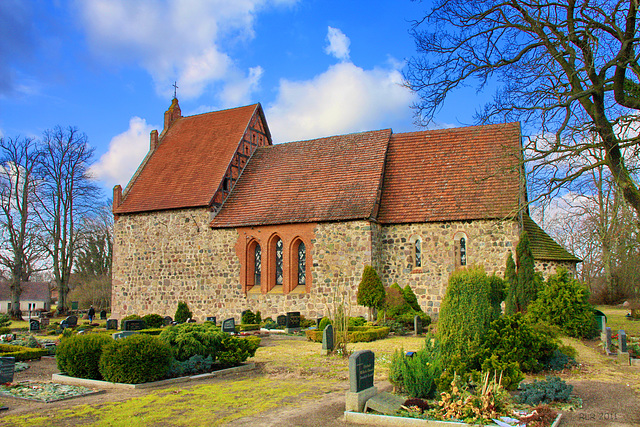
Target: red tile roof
x,y
327,179
189,163
31,291
452,174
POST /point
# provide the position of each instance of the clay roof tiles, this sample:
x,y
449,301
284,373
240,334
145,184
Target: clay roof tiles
x,y
189,163
452,174
327,179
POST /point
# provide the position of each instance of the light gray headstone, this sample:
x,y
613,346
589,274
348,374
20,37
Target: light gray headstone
x,y
622,341
123,334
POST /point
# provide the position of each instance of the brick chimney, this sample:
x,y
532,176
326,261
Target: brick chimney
x,y
171,115
153,143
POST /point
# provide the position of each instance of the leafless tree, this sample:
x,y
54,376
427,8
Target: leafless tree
x,y
67,194
567,69
19,161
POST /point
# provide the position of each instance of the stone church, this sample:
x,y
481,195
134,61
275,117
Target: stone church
x,y
220,217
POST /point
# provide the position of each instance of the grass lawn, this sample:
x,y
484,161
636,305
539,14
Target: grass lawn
x,y
616,320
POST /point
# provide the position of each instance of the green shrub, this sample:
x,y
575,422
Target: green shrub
x,y
136,359
395,303
306,323
563,302
323,323
408,319
514,339
79,355
370,290
132,317
151,331
5,330
368,335
498,294
523,287
417,375
258,318
21,353
356,321
188,339
465,312
559,361
248,318
182,312
5,320
411,298
153,321
194,365
233,351
553,389
249,327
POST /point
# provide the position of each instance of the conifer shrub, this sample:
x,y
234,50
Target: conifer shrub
x,y
524,285
232,351
553,389
354,322
411,299
258,318
79,355
248,318
132,317
465,313
323,323
395,302
182,312
136,359
417,375
371,292
563,302
153,321
5,320
498,293
188,339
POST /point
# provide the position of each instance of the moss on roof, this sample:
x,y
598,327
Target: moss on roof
x,y
543,246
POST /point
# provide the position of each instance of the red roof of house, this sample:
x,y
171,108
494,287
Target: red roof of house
x,y
31,291
189,163
452,174
326,179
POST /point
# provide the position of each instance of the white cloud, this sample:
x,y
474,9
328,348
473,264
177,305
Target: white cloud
x,y
343,99
172,39
238,91
125,153
338,44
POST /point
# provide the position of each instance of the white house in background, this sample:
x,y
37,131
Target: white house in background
x,y
35,296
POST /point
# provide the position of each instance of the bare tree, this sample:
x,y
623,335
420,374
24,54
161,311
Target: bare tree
x,y
19,160
67,194
568,69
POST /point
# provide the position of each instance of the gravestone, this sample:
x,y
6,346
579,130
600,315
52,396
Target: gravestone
x,y
327,337
417,325
123,334
112,324
361,389
167,320
211,319
7,368
74,305
385,403
44,322
292,322
34,325
133,325
103,314
608,342
622,341
229,325
281,320
69,322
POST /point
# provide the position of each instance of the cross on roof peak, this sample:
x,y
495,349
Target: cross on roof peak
x,y
175,89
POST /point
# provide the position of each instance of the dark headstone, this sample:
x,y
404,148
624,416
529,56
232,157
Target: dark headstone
x,y
69,322
7,368
361,369
74,305
229,325
112,324
44,321
103,314
327,337
293,319
34,325
167,321
417,325
211,319
622,341
608,343
281,320
133,325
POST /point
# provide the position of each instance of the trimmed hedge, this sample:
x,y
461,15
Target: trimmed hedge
x,y
79,355
356,334
249,327
151,331
21,353
136,359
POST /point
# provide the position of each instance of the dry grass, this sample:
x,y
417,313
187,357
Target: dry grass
x,y
616,320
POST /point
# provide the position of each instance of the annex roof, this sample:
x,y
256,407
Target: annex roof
x,y
189,162
543,247
452,174
326,179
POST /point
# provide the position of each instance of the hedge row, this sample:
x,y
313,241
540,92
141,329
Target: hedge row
x,y
356,334
22,353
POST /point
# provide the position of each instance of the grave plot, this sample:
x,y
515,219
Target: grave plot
x,y
45,392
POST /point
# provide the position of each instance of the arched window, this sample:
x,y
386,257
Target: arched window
x,y
302,264
418,253
257,265
463,251
278,270
460,249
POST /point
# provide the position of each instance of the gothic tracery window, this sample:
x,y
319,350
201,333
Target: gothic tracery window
x,y
302,264
463,251
279,247
418,253
257,270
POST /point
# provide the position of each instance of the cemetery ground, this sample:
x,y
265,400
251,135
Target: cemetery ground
x,y
295,384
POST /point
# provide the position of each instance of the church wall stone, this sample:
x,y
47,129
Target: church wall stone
x,y
487,243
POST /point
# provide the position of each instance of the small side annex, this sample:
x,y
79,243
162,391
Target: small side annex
x,y
220,217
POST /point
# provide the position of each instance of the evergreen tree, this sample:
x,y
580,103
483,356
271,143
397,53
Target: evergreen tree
x,y
497,294
524,287
511,281
411,298
182,312
371,292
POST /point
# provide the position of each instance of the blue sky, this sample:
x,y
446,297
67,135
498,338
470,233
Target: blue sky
x,y
319,68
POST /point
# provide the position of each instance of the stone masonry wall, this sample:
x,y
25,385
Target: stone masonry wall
x,y
549,267
488,243
161,258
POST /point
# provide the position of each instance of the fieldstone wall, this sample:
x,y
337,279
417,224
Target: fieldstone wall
x,y
488,243
161,258
549,267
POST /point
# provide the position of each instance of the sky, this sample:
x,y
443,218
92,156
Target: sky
x,y
107,67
